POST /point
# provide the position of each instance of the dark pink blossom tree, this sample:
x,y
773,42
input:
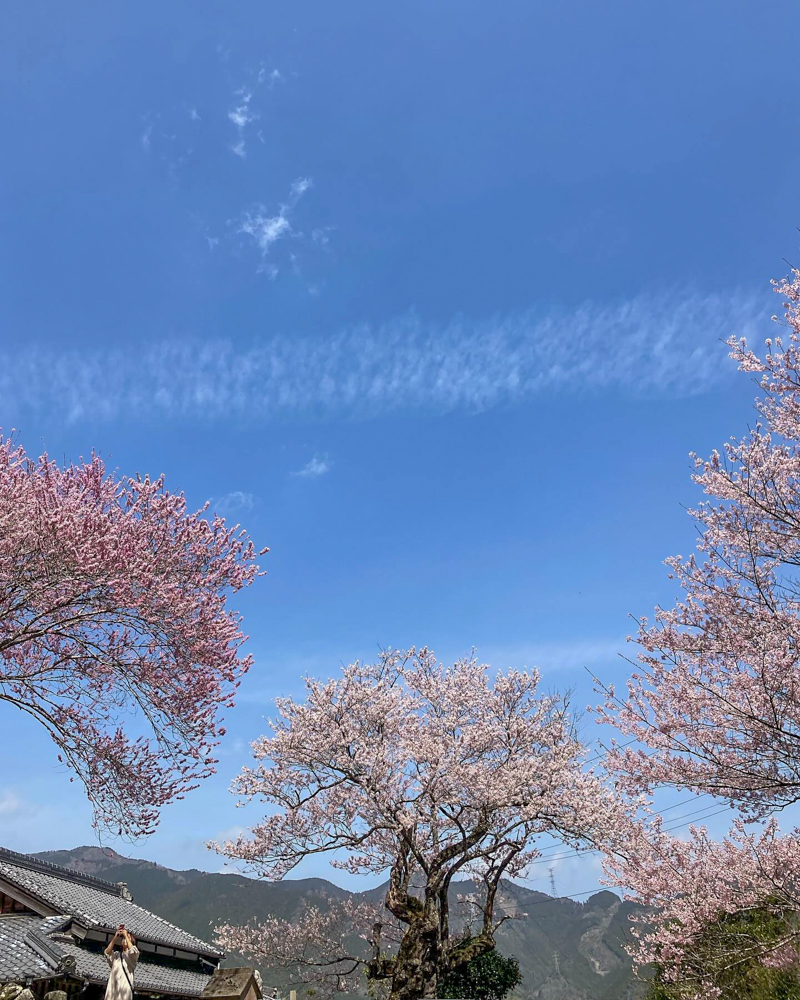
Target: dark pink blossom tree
x,y
715,701
113,599
424,772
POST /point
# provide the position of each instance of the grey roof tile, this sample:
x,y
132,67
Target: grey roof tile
x,y
150,974
95,903
24,939
17,960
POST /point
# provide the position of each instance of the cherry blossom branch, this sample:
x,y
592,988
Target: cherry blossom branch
x,y
113,595
714,700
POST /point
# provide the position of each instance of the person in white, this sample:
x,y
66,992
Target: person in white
x,y
122,956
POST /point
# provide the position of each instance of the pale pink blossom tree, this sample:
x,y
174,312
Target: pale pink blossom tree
x,y
421,771
113,603
690,886
714,703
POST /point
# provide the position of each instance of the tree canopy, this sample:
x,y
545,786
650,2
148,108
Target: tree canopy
x,y
113,597
422,771
714,704
729,953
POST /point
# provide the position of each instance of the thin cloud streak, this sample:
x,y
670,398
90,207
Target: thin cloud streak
x,y
9,803
665,345
559,655
232,503
315,467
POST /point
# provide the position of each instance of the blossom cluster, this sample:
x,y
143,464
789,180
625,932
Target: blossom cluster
x,y
424,771
113,598
406,750
714,704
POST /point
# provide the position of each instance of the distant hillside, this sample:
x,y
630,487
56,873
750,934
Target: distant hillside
x,y
567,950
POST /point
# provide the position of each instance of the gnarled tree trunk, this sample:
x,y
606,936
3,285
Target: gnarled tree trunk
x,y
416,967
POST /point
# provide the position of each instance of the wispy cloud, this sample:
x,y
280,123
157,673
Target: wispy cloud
x,y
11,805
316,466
266,228
271,77
232,503
300,186
241,115
654,344
236,748
549,656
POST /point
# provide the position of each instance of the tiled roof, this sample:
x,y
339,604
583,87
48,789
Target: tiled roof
x,y
151,973
32,947
17,960
94,902
39,864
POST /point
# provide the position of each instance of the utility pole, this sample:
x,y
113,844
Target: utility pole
x,y
552,873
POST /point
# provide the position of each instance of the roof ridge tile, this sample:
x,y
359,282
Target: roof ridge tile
x,y
55,887
49,867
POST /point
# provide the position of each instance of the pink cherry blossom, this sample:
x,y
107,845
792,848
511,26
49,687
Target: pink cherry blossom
x,y
714,704
686,885
113,598
425,772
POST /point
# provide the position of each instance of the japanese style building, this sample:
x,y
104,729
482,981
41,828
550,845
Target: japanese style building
x,y
55,923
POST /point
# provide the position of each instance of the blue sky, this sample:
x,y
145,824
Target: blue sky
x,y
428,295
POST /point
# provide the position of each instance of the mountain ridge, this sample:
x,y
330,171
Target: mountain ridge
x,y
567,950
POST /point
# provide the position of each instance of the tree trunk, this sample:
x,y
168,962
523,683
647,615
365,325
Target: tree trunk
x,y
462,952
416,966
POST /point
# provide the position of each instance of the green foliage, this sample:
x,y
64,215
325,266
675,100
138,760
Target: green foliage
x,y
489,976
727,953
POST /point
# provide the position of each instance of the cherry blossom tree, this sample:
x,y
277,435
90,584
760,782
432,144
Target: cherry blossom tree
x,y
692,888
424,772
112,603
748,932
714,704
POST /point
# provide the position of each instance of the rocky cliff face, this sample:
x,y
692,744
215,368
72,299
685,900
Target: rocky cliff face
x,y
567,950
592,944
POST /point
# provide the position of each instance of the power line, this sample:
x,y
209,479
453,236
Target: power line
x,y
706,816
574,895
605,752
589,892
595,850
556,950
683,802
546,858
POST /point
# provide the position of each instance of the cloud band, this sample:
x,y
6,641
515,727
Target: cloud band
x,y
667,344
